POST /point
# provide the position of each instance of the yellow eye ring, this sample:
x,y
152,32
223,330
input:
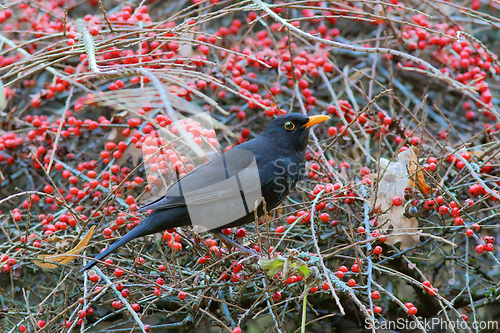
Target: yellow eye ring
x,y
289,126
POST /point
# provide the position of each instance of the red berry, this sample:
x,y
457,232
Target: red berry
x,y
110,146
324,217
118,272
48,189
332,131
480,248
458,221
280,229
237,267
136,307
125,293
167,237
35,102
432,291
241,232
397,201
375,295
443,210
412,311
130,200
351,283
181,295
277,296
378,250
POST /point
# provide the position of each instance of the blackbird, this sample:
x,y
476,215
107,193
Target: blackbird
x,y
225,192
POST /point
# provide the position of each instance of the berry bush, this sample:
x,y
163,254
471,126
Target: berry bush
x,y
396,217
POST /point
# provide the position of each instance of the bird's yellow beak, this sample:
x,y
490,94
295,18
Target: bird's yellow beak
x,y
313,120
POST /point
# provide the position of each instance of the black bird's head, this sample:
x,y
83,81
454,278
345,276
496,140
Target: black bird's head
x,y
291,131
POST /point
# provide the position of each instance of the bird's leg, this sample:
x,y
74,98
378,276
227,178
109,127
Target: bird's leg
x,y
232,243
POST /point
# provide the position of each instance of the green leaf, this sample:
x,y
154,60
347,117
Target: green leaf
x,y
272,266
304,270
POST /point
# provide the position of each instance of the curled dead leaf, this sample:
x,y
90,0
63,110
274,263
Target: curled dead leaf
x,y
404,173
51,261
417,180
397,175
404,230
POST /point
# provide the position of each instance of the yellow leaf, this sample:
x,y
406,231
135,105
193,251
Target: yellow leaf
x,y
64,258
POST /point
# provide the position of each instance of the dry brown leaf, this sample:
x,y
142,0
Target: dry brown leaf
x,y
418,179
64,258
396,177
116,133
133,152
393,183
407,228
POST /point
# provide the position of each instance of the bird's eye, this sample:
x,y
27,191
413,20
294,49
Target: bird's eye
x,y
289,125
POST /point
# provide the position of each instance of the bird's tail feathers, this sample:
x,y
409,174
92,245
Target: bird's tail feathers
x,y
143,229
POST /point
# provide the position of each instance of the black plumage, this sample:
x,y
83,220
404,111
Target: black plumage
x,y
267,166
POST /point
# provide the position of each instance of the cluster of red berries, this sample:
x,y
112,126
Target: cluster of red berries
x,y
487,246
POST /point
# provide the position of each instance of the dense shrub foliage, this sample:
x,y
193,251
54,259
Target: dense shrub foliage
x,y
395,218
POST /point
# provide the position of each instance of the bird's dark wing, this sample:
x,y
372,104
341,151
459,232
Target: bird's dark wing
x,y
215,180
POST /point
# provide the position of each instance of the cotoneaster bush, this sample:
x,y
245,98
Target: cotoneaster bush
x,y
83,119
